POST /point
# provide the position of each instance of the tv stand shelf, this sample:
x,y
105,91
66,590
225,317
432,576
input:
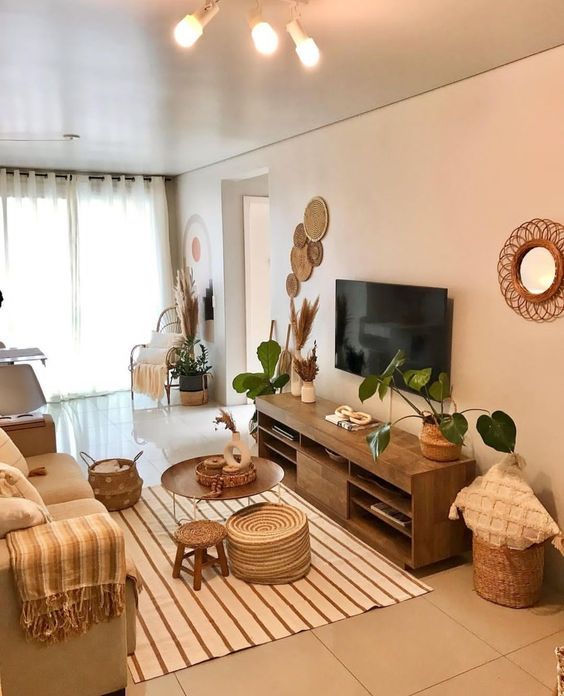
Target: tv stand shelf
x,y
418,488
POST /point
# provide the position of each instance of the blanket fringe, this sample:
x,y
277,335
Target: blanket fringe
x,y
55,618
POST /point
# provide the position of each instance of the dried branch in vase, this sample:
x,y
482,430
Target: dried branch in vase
x,y
307,368
225,418
302,321
187,302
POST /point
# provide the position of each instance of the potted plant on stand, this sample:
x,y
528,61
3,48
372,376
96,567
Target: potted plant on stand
x,y
260,383
442,433
192,372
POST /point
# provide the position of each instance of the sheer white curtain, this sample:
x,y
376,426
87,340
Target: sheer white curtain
x,y
85,270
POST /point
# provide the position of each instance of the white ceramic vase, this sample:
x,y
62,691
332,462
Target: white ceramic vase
x,y
295,379
308,392
237,445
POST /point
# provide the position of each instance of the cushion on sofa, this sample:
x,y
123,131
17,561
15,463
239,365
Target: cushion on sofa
x,y
19,513
14,484
64,480
76,508
10,454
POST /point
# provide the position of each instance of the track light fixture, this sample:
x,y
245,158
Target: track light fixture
x,y
265,38
189,29
306,48
263,35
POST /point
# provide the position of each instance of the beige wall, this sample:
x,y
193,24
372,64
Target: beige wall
x,y
426,192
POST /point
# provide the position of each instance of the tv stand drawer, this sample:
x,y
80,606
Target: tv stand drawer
x,y
324,482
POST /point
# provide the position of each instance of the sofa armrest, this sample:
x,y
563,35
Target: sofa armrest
x,y
33,439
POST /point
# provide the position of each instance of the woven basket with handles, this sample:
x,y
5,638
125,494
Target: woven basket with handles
x,y
507,576
116,490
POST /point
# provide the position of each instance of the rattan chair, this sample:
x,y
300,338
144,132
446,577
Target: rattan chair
x,y
168,322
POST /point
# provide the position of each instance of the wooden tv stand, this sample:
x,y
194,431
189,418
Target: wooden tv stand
x,y
419,488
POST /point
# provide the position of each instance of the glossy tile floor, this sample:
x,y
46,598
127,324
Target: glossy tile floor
x,y
448,643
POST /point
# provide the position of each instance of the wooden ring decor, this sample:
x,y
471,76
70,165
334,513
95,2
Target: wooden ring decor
x,y
292,285
301,265
300,237
548,304
315,253
316,219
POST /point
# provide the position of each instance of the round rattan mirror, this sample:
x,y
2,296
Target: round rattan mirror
x,y
531,270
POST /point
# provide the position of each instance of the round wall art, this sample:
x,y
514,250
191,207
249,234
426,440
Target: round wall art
x,y
531,270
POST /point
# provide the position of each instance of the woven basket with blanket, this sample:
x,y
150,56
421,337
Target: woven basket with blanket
x,y
510,526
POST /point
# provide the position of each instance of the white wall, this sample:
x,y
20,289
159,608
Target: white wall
x,y
426,192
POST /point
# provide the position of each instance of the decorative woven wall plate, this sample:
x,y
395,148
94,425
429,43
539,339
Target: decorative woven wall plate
x,y
316,219
301,265
300,237
544,304
315,253
292,285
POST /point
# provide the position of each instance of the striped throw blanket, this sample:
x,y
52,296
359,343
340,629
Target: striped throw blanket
x,y
70,574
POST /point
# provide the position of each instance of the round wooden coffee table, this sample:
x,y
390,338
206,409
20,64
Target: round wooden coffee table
x,y
180,479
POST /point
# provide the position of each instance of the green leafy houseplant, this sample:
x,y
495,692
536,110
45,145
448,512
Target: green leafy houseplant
x,y
495,429
260,383
192,369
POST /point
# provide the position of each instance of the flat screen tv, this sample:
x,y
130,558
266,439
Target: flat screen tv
x,y
374,320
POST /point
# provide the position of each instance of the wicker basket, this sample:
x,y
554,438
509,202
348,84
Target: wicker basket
x,y
506,576
206,477
435,446
116,490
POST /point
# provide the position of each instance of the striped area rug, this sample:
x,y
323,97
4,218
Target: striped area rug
x,y
178,627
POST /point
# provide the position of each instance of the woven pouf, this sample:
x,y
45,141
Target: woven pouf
x,y
268,544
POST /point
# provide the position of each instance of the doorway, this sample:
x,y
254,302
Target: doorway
x,y
258,308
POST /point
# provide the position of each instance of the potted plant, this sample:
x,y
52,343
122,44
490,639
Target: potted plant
x,y
442,433
261,383
307,370
192,372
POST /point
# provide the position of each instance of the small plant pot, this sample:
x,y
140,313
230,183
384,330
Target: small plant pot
x,y
308,392
435,446
193,390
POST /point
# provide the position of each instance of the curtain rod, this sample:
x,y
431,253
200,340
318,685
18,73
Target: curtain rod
x,y
92,177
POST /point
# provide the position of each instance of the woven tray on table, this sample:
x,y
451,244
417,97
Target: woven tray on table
x,y
206,477
116,490
507,576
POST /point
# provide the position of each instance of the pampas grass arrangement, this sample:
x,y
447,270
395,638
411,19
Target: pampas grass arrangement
x,y
307,368
187,302
302,321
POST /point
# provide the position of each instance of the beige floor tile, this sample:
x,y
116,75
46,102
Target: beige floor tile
x,y
538,658
161,686
296,666
504,629
399,650
494,679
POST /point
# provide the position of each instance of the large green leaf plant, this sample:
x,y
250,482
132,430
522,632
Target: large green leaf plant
x,y
261,383
497,430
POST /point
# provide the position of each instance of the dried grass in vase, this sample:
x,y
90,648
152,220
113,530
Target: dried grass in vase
x,y
187,302
307,368
302,321
225,418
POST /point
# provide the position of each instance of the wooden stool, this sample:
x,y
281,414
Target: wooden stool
x,y
200,536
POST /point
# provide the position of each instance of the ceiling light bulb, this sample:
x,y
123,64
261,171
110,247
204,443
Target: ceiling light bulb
x,y
306,48
265,38
189,29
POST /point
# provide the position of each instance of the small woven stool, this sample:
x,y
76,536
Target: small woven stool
x,y
200,536
268,544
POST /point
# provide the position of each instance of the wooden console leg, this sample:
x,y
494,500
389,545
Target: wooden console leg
x,y
178,560
222,559
198,559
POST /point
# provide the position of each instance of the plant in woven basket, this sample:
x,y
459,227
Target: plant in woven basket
x,y
443,432
188,364
307,368
225,418
260,383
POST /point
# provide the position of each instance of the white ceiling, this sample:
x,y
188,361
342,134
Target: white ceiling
x,y
110,71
